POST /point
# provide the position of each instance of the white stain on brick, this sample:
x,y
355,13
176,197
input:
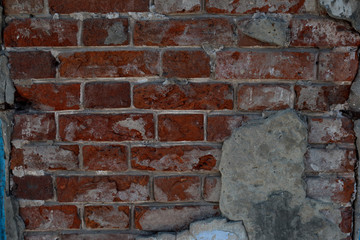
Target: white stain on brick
x,y
55,219
131,124
136,192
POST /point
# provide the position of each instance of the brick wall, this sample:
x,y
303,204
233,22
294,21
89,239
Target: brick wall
x,y
121,112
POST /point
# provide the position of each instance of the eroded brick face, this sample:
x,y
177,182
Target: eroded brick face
x,y
122,108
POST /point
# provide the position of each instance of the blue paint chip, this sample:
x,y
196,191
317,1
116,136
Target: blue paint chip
x,y
2,186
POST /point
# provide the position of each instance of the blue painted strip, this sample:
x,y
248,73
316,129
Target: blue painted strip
x,y
2,186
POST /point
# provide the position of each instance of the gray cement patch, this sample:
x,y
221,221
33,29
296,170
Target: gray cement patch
x,y
262,169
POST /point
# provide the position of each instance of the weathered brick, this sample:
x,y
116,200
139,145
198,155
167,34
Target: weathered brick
x,y
337,190
36,127
265,65
41,32
105,32
245,7
186,64
264,97
105,158
35,64
103,189
320,98
212,188
175,158
50,217
203,96
105,6
49,96
20,6
104,127
33,187
45,157
346,224
40,236
107,95
174,6
171,218
109,64
107,217
181,127
331,130
322,33
97,236
177,188
338,66
219,127
330,161
184,32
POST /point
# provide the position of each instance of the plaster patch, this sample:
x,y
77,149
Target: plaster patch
x,y
116,34
262,169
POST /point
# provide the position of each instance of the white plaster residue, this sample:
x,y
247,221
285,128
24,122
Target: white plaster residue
x,y
34,125
216,235
340,8
131,124
30,203
130,68
41,24
160,195
103,191
193,190
136,192
146,16
55,219
108,218
25,6
70,130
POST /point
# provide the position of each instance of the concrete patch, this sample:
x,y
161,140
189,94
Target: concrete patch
x,y
262,169
270,28
344,9
116,34
214,229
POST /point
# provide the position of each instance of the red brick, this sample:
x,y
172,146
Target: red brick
x,y
185,32
186,64
338,66
171,218
337,190
107,217
49,96
105,158
105,32
265,65
45,157
41,32
202,96
178,188
50,217
97,236
27,7
245,7
325,33
109,64
219,127
212,188
331,130
103,189
347,220
175,6
175,158
104,127
185,127
33,187
320,98
107,95
36,127
264,97
330,161
105,6
37,64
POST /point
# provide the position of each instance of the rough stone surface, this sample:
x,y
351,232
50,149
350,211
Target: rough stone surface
x,y
344,9
270,28
214,229
270,194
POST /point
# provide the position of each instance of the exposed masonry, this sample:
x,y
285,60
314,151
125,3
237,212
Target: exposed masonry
x,y
178,86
